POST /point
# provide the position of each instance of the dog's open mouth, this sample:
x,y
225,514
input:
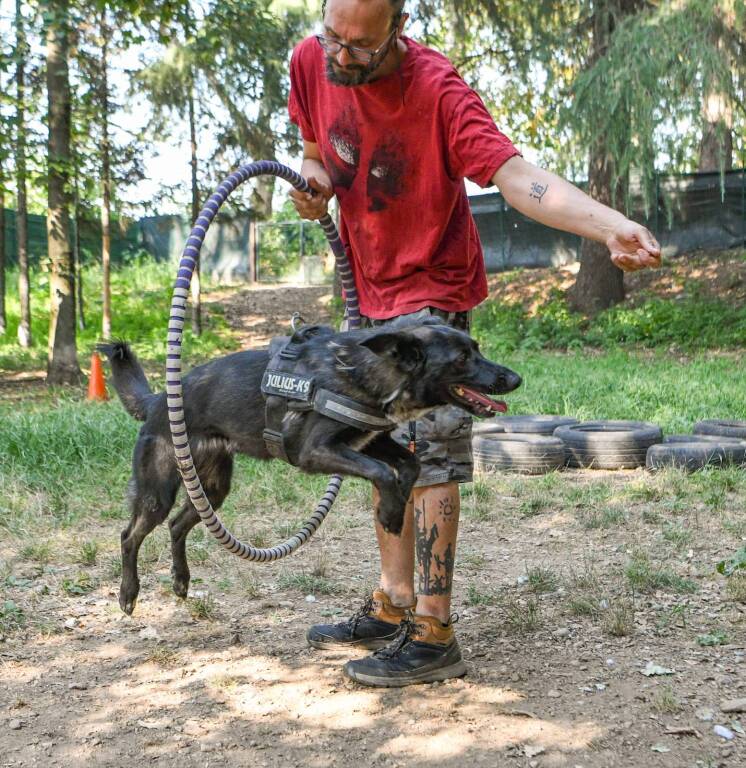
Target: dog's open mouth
x,y
475,402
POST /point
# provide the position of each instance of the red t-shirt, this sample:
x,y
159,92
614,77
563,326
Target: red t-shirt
x,y
397,151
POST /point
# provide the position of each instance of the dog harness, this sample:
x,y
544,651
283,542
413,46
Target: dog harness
x,y
288,390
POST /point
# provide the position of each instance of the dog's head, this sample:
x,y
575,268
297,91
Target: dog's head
x,y
430,364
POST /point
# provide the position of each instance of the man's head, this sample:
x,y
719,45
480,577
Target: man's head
x,y
360,38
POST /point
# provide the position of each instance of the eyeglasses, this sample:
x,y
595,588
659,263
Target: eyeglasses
x,y
363,55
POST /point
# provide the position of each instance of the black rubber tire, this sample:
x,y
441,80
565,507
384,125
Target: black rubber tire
x,y
722,427
608,444
709,439
695,455
538,424
529,454
487,427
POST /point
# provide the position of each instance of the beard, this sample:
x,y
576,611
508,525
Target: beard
x,y
350,76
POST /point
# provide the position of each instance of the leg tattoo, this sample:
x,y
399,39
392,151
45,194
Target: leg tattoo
x,y
435,571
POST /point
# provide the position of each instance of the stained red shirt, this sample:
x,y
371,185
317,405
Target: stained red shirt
x,y
397,151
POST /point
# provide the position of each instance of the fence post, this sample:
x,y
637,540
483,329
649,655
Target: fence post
x,y
253,250
502,229
743,197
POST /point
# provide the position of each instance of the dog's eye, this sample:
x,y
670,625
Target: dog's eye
x,y
462,359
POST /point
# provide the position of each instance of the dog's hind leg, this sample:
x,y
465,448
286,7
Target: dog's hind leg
x,y
152,494
215,474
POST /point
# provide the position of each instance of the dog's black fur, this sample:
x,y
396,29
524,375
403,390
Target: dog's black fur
x,y
404,372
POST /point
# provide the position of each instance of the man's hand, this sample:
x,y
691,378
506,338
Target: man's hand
x,y
312,205
633,247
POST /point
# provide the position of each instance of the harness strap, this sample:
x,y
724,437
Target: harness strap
x,y
349,411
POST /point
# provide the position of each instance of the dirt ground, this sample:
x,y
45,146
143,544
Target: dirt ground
x,y
226,678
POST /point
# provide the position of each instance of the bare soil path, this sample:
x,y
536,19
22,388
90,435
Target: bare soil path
x,y
559,646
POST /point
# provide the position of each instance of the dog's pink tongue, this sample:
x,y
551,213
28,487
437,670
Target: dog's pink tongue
x,y
498,406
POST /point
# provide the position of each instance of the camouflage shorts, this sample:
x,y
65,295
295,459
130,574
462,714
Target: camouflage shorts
x,y
443,436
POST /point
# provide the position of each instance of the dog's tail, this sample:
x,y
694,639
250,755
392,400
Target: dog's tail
x,y
129,379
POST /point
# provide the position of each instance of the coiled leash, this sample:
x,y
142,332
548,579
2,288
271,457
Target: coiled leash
x,y
174,391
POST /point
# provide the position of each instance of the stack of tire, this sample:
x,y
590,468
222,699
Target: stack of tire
x,y
539,444
519,444
715,443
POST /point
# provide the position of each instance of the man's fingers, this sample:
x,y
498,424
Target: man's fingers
x,y
319,186
648,242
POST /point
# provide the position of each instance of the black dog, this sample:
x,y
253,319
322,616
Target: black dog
x,y
401,373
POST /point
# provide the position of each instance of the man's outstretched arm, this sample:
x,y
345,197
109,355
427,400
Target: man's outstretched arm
x,y
551,200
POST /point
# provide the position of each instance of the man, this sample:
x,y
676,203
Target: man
x,y
390,128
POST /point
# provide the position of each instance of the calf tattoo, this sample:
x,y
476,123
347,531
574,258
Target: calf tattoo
x,y
435,571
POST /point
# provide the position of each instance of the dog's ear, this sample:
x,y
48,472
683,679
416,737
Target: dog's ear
x,y
403,349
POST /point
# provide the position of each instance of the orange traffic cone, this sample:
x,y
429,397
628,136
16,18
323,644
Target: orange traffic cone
x,y
96,384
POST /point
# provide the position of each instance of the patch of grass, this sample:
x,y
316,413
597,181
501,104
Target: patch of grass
x,y
201,607
712,638
604,518
644,576
477,501
306,583
12,617
541,580
474,560
584,605
735,587
533,505
477,596
665,701
523,616
164,656
618,619
692,323
80,584
88,553
39,552
677,535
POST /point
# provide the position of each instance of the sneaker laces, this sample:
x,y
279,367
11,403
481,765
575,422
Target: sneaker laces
x,y
363,611
402,637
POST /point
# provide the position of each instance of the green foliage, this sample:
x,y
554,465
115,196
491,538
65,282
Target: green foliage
x,y
11,617
693,323
280,242
736,562
141,291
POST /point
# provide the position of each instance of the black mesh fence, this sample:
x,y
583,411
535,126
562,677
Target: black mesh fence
x,y
686,212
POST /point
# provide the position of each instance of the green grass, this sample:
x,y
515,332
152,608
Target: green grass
x,y
141,299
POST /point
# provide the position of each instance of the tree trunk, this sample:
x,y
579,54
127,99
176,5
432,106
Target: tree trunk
x,y
196,282
599,283
105,181
77,265
62,361
24,292
2,250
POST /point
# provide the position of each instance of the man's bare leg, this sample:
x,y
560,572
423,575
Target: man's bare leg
x,y
397,558
430,529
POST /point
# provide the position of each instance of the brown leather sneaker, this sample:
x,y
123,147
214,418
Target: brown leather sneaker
x,y
372,626
424,650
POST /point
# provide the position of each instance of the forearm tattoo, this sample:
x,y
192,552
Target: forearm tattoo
x,y
538,190
435,573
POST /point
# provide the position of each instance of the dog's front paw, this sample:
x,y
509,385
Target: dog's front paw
x,y
390,514
128,597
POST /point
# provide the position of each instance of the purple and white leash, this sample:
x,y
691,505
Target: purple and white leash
x,y
174,391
